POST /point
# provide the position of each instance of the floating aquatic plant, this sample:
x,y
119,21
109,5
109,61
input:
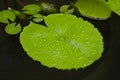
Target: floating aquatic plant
x,y
97,9
7,15
115,6
67,42
65,9
31,9
13,28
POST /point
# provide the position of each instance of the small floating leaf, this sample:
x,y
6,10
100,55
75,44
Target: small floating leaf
x,y
65,9
5,15
16,12
13,29
48,7
37,15
31,9
96,9
67,42
115,6
38,18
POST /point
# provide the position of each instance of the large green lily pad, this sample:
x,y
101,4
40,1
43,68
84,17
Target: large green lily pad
x,y
115,6
97,9
67,42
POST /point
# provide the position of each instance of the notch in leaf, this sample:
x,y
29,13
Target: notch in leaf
x,y
7,15
13,28
38,18
67,42
65,9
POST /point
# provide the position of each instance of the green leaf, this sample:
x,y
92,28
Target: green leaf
x,y
5,15
17,13
97,9
31,9
65,9
67,42
13,29
38,18
115,6
48,8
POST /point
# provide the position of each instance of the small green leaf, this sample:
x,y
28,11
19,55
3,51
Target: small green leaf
x,y
38,18
31,9
37,15
65,9
13,29
5,15
67,42
97,9
48,8
16,12
115,6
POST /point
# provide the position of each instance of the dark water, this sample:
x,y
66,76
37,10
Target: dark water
x,y
15,64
